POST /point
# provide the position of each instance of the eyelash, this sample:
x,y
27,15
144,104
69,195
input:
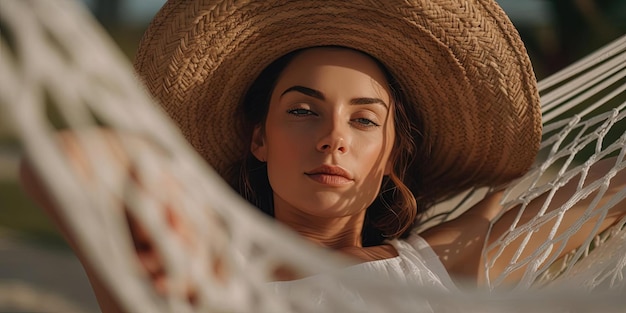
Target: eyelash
x,y
363,122
300,112
368,122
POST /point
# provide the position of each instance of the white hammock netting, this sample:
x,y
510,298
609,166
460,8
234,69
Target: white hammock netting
x,y
60,71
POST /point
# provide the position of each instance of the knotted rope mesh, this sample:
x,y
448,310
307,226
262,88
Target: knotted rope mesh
x,y
63,83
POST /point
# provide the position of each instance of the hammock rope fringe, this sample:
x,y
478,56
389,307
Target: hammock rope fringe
x,y
60,72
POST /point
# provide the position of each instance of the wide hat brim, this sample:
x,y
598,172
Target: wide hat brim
x,y
461,63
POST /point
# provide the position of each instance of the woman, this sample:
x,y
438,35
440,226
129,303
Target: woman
x,y
346,120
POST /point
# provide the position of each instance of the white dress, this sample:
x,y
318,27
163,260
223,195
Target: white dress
x,y
416,264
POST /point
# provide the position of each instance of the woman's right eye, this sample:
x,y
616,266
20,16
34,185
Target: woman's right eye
x,y
300,112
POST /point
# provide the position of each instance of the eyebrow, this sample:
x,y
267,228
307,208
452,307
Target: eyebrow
x,y
305,90
319,95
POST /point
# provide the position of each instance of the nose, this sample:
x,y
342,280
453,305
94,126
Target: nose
x,y
334,139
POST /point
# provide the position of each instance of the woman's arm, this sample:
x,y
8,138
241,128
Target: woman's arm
x,y
34,187
570,217
77,157
459,242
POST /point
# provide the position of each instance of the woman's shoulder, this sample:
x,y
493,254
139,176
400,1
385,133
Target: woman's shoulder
x,y
417,257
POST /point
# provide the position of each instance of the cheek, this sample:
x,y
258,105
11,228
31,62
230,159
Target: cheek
x,y
286,137
285,148
377,158
390,142
376,151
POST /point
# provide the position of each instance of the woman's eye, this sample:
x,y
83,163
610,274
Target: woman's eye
x,y
300,112
365,122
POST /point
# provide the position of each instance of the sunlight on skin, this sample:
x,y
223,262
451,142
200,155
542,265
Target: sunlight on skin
x,y
459,242
327,141
597,171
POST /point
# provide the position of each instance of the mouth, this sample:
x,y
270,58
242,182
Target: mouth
x,y
330,175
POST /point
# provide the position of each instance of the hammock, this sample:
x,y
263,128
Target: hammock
x,y
61,72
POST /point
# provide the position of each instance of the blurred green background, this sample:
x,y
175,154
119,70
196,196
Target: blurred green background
x,y
556,33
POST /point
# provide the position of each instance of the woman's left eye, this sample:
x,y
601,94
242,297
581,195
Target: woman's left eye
x,y
300,112
365,122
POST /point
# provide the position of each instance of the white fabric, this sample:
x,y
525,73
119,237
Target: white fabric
x,y
416,264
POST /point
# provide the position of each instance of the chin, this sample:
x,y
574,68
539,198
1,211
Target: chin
x,y
328,209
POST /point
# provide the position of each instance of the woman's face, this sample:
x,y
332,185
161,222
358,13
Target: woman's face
x,y
328,133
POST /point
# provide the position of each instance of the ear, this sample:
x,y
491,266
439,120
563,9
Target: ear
x,y
257,146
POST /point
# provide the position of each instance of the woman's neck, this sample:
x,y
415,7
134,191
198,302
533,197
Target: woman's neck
x,y
332,232
342,234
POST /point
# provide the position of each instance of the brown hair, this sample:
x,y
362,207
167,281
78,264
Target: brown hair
x,y
393,212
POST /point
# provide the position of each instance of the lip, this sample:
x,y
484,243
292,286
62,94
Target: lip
x,y
330,175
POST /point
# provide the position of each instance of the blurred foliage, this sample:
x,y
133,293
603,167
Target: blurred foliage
x,y
576,28
18,212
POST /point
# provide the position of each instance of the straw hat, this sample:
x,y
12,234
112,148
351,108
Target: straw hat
x,y
461,63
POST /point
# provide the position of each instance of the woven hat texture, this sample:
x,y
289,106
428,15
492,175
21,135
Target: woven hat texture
x,y
461,63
